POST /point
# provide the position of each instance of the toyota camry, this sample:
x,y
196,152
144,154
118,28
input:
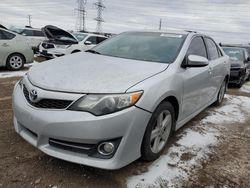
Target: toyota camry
x,y
121,100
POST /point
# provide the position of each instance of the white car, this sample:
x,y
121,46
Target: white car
x,y
14,50
33,36
62,43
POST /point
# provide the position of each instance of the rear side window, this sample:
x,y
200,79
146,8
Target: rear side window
x,y
197,47
38,34
27,32
212,49
4,35
100,39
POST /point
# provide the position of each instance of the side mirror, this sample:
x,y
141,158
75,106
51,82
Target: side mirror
x,y
196,61
87,42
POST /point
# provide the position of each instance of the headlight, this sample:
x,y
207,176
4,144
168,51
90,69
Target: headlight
x,y
63,46
98,104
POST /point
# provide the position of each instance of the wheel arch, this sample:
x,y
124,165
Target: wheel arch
x,y
75,51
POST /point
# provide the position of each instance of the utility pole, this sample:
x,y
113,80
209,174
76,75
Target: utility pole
x,y
100,7
81,14
29,19
160,24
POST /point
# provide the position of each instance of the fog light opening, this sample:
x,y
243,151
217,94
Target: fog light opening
x,y
106,148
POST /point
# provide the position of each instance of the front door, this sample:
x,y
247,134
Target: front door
x,y
196,89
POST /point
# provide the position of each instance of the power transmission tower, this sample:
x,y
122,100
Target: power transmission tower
x,y
100,7
160,24
29,20
81,14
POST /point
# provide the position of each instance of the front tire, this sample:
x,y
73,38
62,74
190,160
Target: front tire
x,y
158,131
15,62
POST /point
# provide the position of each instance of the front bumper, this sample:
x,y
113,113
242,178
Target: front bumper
x,y
38,126
51,53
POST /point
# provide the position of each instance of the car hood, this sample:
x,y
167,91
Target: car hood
x,y
91,73
56,34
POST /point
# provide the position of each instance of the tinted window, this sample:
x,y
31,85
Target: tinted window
x,y
38,33
145,46
197,47
100,39
4,35
92,40
212,49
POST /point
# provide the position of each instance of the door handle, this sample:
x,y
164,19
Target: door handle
x,y
5,45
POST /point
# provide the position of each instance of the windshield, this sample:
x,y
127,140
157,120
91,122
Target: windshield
x,y
145,46
80,36
234,53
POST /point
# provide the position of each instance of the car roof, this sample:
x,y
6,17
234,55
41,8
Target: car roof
x,y
28,28
89,34
175,31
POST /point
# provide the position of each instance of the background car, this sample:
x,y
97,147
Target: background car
x,y
240,65
122,99
33,36
62,43
14,50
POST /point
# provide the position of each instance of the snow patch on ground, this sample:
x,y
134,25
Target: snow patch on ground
x,y
192,148
231,112
20,73
246,87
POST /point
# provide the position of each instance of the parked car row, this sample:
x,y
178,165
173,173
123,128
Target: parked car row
x,y
240,65
16,44
62,43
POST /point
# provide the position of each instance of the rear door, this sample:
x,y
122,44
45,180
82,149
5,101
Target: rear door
x,y
5,45
217,65
196,80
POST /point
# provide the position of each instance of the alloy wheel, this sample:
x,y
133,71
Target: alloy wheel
x,y
161,131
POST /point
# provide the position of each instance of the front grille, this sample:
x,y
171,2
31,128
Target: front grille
x,y
72,146
48,45
47,103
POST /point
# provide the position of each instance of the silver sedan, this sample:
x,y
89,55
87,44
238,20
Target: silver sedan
x,y
120,100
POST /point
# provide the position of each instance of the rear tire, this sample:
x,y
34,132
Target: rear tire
x,y
221,94
158,131
15,62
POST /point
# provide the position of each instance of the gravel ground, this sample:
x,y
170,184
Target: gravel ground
x,y
21,165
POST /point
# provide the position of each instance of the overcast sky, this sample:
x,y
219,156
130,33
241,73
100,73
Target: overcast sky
x,y
226,20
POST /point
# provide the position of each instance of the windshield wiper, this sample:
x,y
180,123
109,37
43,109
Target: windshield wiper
x,y
93,51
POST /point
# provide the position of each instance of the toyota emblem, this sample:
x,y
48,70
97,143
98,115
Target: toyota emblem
x,y
33,95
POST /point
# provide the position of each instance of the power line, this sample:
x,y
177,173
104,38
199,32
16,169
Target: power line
x,y
100,7
81,14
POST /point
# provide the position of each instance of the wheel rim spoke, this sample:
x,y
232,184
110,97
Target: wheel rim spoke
x,y
154,134
161,132
156,144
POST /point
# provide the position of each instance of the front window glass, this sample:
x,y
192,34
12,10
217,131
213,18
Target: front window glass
x,y
197,47
145,46
80,37
234,53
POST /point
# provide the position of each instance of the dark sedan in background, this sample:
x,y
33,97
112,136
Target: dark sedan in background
x,y
240,65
